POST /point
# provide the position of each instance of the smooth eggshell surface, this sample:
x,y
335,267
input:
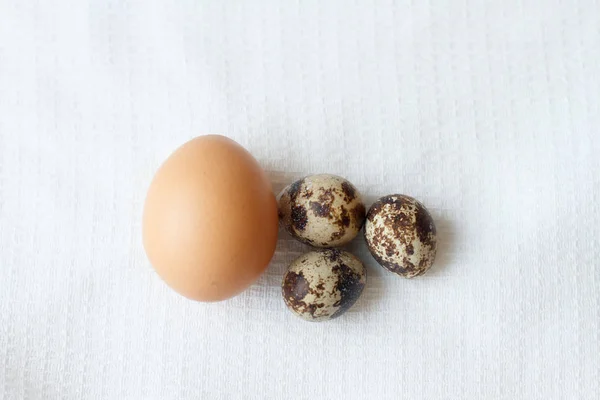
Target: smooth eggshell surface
x,y
210,219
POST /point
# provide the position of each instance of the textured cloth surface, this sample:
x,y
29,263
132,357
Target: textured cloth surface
x,y
487,111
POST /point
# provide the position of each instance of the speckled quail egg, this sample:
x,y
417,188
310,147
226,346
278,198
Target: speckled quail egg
x,y
401,235
322,210
323,284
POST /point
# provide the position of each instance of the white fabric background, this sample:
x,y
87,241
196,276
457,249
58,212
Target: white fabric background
x,y
487,111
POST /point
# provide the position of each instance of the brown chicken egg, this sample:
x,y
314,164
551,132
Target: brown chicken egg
x,y
210,219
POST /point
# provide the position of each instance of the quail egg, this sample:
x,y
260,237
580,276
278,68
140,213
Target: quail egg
x,y
401,235
322,210
323,284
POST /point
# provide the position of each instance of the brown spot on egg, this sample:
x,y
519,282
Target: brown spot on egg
x,y
390,250
349,191
315,307
424,262
345,218
374,210
299,218
307,194
310,308
390,266
294,190
341,222
326,197
393,200
408,266
334,254
377,236
336,235
350,287
401,220
295,287
425,228
310,242
319,209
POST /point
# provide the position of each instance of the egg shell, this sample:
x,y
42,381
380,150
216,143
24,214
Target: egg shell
x,y
323,284
322,210
401,235
210,219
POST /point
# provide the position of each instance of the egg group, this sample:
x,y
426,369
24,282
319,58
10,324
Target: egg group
x,y
210,226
